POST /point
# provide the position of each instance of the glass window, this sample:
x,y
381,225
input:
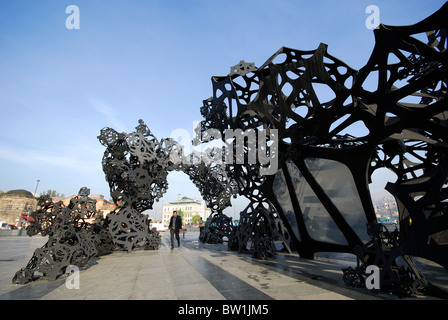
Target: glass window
x,y
337,181
282,194
318,221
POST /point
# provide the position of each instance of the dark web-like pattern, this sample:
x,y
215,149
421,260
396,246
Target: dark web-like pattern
x,y
321,189
313,132
72,239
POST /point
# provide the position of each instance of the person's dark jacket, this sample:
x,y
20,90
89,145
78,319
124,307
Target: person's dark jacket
x,y
177,223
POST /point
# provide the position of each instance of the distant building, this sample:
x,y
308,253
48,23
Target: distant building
x,y
15,205
188,206
386,209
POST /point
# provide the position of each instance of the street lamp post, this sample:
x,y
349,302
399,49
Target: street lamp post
x,y
35,191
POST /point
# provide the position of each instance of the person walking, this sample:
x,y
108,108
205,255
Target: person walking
x,y
175,226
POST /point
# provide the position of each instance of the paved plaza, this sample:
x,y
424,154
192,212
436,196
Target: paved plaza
x,y
194,271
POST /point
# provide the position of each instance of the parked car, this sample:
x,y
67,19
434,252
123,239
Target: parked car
x,y
8,226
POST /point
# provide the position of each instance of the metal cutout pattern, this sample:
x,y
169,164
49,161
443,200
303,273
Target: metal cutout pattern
x,y
327,114
72,240
333,132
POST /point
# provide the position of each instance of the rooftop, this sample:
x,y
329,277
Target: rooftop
x,y
184,200
20,193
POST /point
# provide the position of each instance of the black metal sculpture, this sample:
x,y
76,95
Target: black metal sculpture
x,y
384,250
73,240
257,231
136,166
290,147
321,190
315,195
217,228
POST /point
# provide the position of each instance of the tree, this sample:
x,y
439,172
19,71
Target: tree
x,y
181,215
54,194
195,219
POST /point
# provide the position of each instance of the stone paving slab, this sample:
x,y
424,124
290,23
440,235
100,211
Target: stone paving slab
x,y
193,272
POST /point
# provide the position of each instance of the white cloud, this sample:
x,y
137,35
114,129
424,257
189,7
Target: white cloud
x,y
109,112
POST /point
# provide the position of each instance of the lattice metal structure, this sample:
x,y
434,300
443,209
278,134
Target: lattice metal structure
x,y
72,241
384,250
325,131
313,105
218,227
257,231
136,166
316,103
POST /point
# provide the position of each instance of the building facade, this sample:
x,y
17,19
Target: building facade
x,y
386,210
188,206
15,205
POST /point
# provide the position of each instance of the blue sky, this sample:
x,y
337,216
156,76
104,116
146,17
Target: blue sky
x,y
150,60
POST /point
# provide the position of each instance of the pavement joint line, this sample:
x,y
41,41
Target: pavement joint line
x,y
253,275
227,274
164,255
227,293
